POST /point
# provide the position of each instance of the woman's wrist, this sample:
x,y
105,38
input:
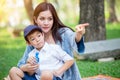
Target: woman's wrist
x,y
78,37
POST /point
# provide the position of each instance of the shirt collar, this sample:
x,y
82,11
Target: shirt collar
x,y
44,48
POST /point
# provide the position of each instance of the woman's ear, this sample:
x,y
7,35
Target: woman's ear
x,y
34,19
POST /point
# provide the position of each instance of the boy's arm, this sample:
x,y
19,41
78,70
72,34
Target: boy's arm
x,y
65,66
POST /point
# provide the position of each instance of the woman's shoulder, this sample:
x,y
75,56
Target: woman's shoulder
x,y
29,47
65,30
32,52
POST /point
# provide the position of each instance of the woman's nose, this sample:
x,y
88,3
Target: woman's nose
x,y
46,22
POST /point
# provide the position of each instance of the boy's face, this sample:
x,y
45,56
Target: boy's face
x,y
36,39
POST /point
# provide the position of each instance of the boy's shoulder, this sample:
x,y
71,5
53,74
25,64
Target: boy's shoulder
x,y
32,52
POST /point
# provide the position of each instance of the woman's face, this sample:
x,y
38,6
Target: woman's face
x,y
45,21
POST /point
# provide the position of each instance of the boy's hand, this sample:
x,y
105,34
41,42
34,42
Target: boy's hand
x,y
31,60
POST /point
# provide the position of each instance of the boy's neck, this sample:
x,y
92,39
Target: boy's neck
x,y
41,47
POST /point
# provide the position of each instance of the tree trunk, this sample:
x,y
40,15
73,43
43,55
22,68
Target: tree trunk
x,y
45,0
112,17
29,9
92,11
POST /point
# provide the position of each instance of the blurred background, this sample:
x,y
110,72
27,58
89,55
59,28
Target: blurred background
x,y
16,14
13,13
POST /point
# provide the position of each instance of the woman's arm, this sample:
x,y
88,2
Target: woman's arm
x,y
80,31
23,65
29,68
23,60
30,64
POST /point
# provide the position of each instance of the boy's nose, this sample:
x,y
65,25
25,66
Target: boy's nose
x,y
37,39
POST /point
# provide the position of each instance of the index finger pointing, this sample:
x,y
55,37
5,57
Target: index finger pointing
x,y
85,24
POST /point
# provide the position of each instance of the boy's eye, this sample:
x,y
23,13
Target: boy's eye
x,y
39,35
32,39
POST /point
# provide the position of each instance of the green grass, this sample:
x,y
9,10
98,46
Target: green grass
x,y
88,68
11,50
113,30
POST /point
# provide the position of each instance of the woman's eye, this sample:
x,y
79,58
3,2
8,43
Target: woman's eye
x,y
50,18
42,18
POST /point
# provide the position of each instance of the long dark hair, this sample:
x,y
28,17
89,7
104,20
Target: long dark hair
x,y
57,22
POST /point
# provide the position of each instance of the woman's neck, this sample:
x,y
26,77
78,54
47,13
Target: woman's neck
x,y
49,38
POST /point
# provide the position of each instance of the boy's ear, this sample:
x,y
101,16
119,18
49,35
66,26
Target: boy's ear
x,y
28,43
43,34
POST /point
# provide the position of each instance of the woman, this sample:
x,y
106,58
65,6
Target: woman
x,y
55,33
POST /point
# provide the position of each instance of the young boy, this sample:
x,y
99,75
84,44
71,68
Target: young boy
x,y
52,60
